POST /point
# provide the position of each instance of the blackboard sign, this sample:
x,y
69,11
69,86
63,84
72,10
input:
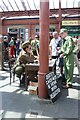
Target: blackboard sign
x,y
53,86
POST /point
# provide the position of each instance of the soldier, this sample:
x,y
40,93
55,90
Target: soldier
x,y
35,45
68,57
24,57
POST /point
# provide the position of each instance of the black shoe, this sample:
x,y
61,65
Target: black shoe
x,y
70,85
67,86
63,83
63,79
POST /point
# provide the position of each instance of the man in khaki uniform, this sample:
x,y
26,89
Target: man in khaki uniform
x,y
24,57
68,57
35,45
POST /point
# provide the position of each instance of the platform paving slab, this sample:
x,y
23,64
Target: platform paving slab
x,y
17,103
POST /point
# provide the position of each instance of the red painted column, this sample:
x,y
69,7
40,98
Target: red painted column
x,y
60,15
30,29
1,63
44,48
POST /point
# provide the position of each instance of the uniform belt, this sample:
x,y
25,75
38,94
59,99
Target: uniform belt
x,y
54,57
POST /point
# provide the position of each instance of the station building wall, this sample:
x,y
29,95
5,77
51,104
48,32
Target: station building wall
x,y
32,24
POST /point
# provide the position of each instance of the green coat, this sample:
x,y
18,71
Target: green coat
x,y
67,51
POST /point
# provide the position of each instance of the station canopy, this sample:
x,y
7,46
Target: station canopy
x,y
10,6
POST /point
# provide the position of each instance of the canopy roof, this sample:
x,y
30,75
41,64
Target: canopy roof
x,y
20,5
30,7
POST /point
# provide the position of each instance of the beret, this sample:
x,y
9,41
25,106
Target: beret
x,y
25,44
36,36
63,30
12,38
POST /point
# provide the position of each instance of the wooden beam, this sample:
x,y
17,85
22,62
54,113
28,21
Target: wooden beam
x,y
66,3
23,4
5,5
28,4
11,5
73,3
16,5
34,5
1,8
70,11
60,16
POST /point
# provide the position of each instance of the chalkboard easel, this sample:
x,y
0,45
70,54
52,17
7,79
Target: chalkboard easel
x,y
53,85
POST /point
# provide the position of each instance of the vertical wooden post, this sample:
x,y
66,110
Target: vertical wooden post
x,y
60,15
44,48
30,29
1,55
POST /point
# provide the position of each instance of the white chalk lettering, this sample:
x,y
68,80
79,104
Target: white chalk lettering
x,y
49,86
54,78
54,87
50,80
55,93
49,75
53,83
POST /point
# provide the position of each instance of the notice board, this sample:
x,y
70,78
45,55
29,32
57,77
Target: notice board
x,y
53,85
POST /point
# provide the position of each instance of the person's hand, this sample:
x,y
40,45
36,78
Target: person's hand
x,y
58,48
61,55
36,57
36,61
58,52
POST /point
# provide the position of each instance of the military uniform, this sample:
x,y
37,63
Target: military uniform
x,y
35,46
68,58
22,59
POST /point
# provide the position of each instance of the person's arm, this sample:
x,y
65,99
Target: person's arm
x,y
70,47
50,51
37,49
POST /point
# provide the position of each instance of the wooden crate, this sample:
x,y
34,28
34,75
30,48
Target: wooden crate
x,y
33,83
32,90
